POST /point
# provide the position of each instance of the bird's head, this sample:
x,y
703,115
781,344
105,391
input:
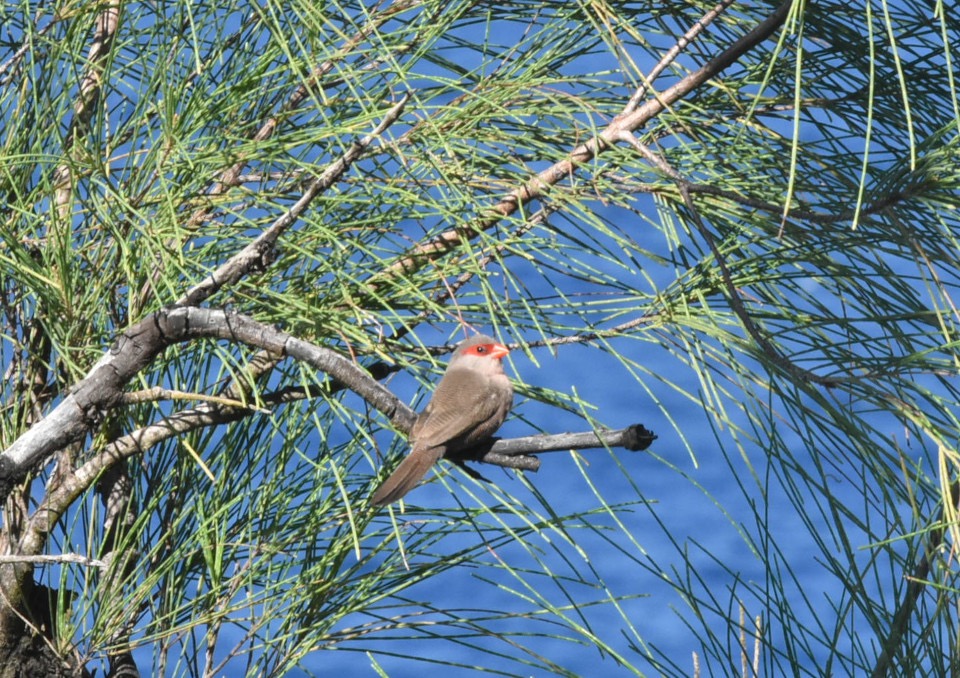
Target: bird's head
x,y
480,352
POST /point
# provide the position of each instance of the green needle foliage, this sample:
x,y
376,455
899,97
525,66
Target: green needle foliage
x,y
760,264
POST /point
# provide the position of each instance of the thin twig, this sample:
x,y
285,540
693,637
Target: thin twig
x,y
59,559
15,59
736,303
259,253
916,583
634,438
674,52
593,335
106,25
158,393
230,177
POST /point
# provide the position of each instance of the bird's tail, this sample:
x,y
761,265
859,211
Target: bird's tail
x,y
408,474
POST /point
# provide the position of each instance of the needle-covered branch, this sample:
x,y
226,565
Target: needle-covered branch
x,y
103,388
632,119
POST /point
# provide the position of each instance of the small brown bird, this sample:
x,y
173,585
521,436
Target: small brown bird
x,y
470,403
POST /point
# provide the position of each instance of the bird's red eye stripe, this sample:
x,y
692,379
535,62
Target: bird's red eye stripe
x,y
492,350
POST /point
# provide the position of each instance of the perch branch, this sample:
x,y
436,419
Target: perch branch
x,y
516,452
634,438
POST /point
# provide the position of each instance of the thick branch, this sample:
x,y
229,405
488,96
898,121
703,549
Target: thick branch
x,y
103,388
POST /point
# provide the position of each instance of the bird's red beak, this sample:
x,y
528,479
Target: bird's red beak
x,y
498,351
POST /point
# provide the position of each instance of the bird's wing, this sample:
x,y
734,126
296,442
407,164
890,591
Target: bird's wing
x,y
444,418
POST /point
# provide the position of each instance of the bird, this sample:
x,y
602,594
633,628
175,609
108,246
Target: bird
x,y
470,403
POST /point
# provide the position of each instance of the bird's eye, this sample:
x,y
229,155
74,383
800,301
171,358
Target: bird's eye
x,y
481,349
